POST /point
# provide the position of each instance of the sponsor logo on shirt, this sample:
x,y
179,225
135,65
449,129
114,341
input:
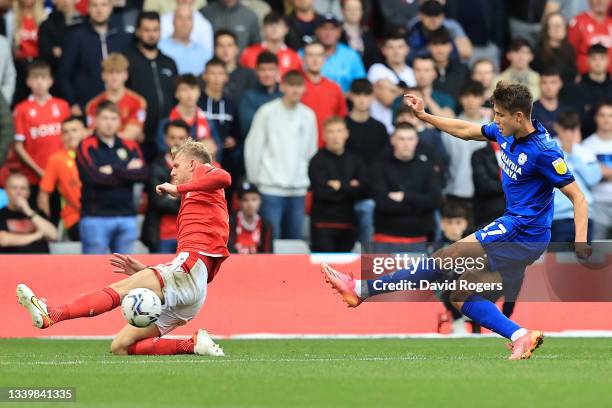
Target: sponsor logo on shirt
x,y
45,130
560,166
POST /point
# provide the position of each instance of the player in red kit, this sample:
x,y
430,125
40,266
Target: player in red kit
x,y
181,284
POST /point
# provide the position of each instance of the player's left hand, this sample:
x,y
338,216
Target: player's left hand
x,y
125,264
167,188
583,250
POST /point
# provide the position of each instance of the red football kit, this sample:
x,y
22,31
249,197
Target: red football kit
x,y
584,30
288,60
200,129
132,109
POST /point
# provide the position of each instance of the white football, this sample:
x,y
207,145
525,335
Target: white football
x,y
141,307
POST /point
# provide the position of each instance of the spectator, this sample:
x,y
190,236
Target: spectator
x,y
162,7
430,18
187,94
274,31
159,228
222,115
38,125
520,56
483,71
202,32
452,74
547,109
232,15
368,139
132,106
84,49
62,173
277,150
398,13
600,144
190,56
265,91
594,88
355,34
240,78
108,168
53,31
554,49
525,17
337,182
407,192
7,129
22,229
152,75
322,95
8,77
249,232
342,64
589,28
460,187
585,168
125,14
395,51
489,199
302,23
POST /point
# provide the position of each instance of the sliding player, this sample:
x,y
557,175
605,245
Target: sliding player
x,y
180,284
532,167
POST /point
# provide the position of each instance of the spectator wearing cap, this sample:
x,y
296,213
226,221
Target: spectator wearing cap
x,y
277,150
240,78
274,31
235,16
202,32
452,74
249,233
302,23
589,28
342,63
356,35
337,182
520,56
322,95
430,18
159,228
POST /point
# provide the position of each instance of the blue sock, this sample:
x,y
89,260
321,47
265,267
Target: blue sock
x,y
423,272
488,315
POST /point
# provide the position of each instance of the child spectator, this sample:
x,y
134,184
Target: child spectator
x,y
62,173
132,106
520,56
547,109
589,28
249,232
337,182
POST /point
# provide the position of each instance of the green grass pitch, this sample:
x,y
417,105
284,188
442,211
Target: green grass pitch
x,y
319,373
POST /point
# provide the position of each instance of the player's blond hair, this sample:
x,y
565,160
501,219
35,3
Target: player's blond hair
x,y
194,149
115,62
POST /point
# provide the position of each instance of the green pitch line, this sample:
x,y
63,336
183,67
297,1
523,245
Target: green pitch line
x,y
319,373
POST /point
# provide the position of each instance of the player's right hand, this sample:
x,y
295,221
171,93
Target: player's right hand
x,y
167,188
416,103
125,264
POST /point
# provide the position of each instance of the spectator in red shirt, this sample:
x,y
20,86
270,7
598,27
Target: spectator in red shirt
x,y
249,232
38,124
274,31
132,106
590,28
322,95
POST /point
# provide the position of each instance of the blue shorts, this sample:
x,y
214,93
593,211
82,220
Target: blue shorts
x,y
511,245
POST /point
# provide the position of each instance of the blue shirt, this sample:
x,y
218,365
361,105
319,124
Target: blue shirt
x,y
343,66
532,167
189,59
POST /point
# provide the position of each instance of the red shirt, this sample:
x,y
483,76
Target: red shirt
x,y
325,99
82,6
203,221
248,236
27,39
288,60
132,108
200,129
39,127
584,31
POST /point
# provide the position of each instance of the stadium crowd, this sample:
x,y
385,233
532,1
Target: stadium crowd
x,y
301,101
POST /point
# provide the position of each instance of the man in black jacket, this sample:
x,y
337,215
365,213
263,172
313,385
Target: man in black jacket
x,y
159,227
407,191
337,181
151,74
489,199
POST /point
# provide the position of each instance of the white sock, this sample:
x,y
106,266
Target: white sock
x,y
459,326
361,289
518,334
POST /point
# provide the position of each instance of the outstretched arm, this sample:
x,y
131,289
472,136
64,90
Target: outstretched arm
x,y
581,218
455,127
206,178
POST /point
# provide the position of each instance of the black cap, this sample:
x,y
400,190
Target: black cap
x,y
328,18
245,188
432,8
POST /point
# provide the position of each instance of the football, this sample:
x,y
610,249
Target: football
x,y
141,307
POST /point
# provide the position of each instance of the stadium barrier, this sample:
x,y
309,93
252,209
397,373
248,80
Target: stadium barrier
x,y
262,294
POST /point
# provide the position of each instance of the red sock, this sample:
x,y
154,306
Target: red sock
x,y
86,305
156,346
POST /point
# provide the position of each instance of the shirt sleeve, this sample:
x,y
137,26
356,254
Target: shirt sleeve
x,y
490,131
553,167
20,126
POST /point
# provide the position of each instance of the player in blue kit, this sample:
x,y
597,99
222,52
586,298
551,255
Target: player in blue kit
x,y
532,166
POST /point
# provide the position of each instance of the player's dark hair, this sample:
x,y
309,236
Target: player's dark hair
x,y
598,48
225,32
266,57
471,87
568,119
513,97
550,71
177,123
74,118
146,15
38,66
293,78
107,106
454,210
440,36
273,18
187,79
362,86
518,43
215,62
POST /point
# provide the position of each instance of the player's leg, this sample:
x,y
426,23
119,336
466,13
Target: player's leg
x,y
131,335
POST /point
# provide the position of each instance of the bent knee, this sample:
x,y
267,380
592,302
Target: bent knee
x,y
119,348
